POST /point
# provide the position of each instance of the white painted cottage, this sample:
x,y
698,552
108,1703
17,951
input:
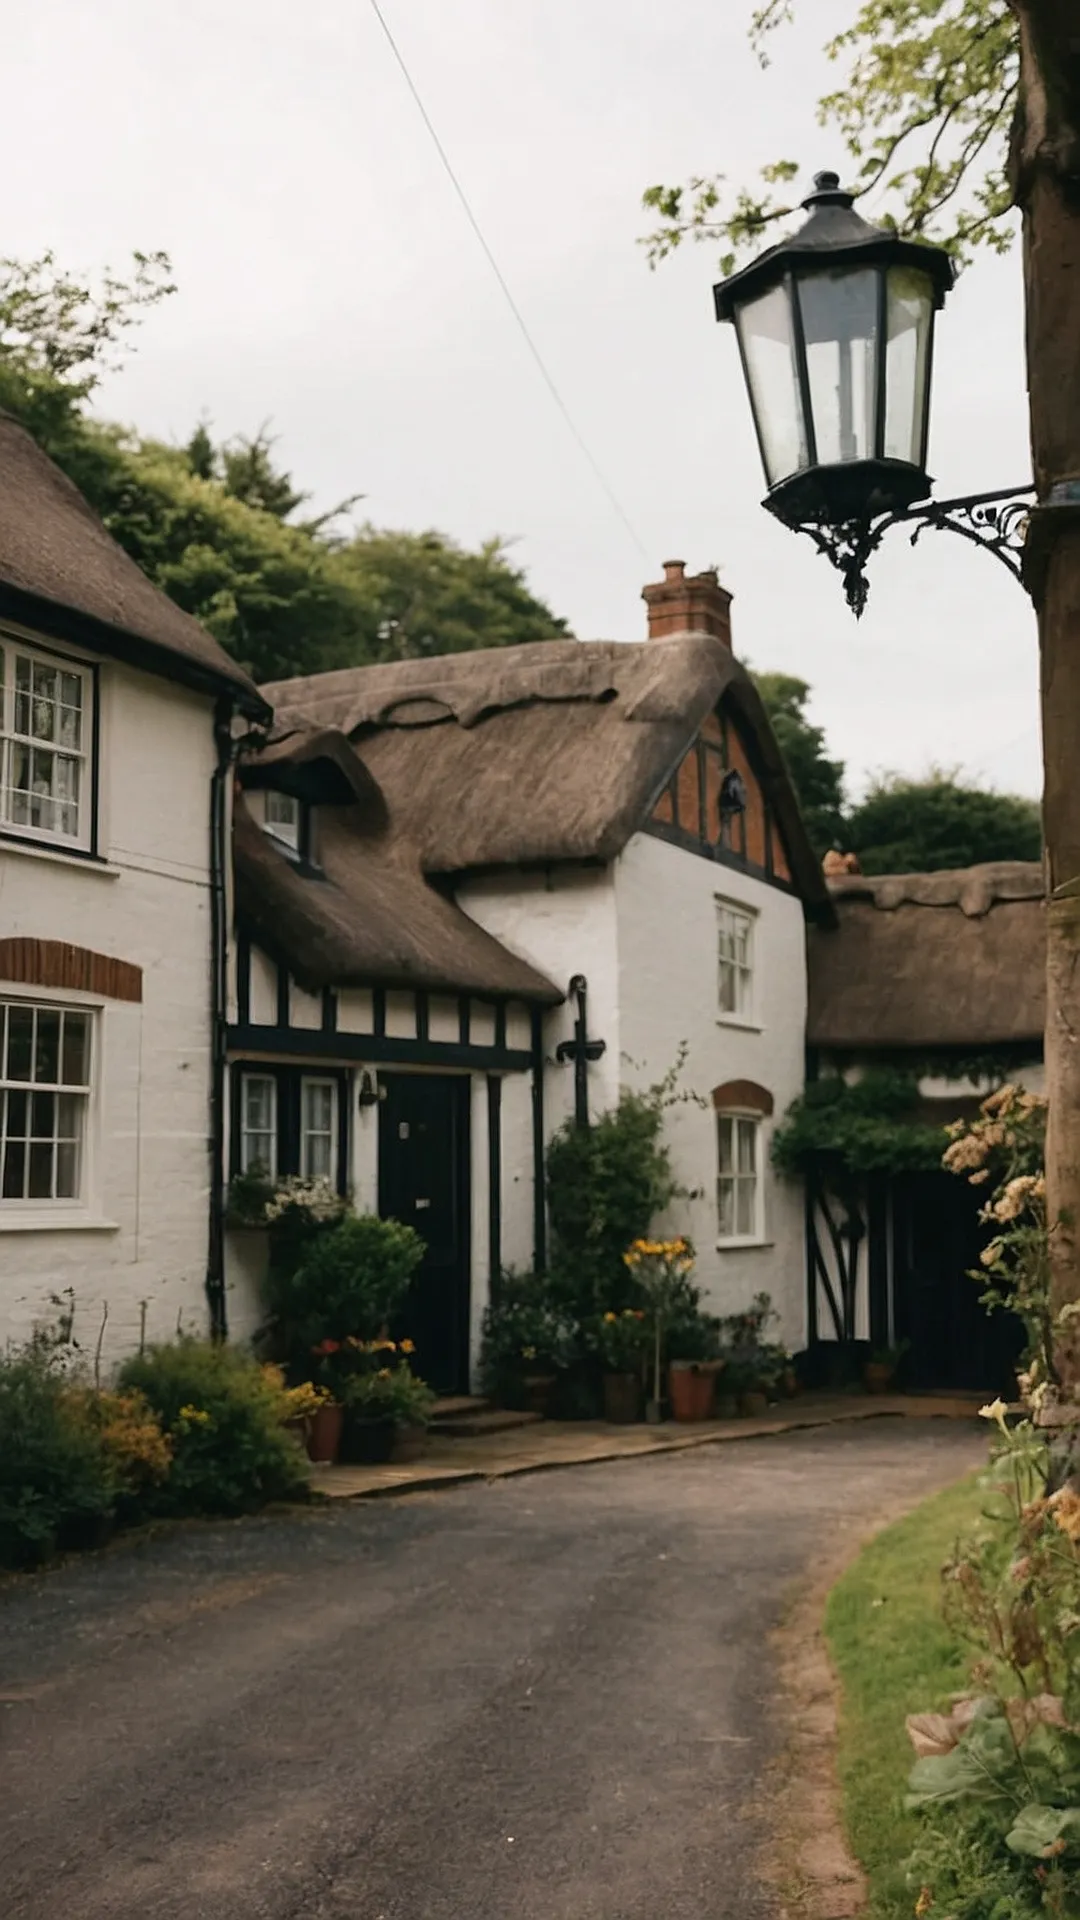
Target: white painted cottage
x,y
117,713
476,891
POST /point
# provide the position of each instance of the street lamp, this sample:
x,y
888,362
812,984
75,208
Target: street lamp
x,y
836,331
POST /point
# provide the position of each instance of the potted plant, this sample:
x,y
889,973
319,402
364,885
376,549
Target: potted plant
x,y
302,1406
754,1367
414,1403
880,1370
376,1402
621,1340
661,1268
529,1340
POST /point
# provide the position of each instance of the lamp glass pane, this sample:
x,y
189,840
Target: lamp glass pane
x,y
911,316
840,324
768,344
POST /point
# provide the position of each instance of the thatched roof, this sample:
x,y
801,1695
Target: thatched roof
x,y
926,960
370,918
63,574
554,751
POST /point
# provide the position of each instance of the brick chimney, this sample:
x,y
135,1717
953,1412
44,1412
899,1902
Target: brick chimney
x,y
682,603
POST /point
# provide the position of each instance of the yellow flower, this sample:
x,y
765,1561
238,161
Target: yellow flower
x,y
609,1317
408,1346
996,1411
195,1416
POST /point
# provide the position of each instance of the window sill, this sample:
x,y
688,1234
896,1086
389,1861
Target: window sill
x,y
44,1222
742,1246
744,1026
58,856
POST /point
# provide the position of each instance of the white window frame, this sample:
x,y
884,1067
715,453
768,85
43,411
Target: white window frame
x,y
249,1161
309,1133
281,818
730,914
32,1208
737,1118
14,649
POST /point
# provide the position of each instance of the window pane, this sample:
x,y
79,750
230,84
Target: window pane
x,y
14,1170
67,1170
258,1104
745,1196
766,337
42,757
40,1184
42,1116
747,1131
47,1050
281,817
840,322
20,1042
911,303
727,1157
75,1061
318,1106
729,992
726,1207
18,1113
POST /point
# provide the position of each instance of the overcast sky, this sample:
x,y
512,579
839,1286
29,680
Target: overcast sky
x,y
329,283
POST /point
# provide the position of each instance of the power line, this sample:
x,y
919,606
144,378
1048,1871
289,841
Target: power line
x,y
519,317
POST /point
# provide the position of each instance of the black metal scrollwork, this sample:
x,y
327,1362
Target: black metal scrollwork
x,y
997,522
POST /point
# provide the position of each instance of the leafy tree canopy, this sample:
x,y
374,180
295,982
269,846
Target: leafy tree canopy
x,y
818,781
923,107
217,526
920,826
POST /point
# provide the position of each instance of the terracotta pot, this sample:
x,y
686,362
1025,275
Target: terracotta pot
x,y
324,1433
367,1442
877,1378
410,1440
727,1406
622,1399
753,1405
692,1388
537,1390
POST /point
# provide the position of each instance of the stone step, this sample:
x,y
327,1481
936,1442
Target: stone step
x,y
473,1426
459,1406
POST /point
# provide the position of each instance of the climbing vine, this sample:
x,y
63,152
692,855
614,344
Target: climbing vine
x,y
869,1125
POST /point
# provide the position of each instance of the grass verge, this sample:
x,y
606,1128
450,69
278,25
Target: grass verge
x,y
894,1655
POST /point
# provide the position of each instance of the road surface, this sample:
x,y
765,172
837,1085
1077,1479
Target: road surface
x,y
546,1698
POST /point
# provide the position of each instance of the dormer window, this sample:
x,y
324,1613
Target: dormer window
x,y
282,819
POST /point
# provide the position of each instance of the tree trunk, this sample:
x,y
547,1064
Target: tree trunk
x,y
1045,174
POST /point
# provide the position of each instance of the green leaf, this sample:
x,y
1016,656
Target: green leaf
x,y
984,1767
1039,1831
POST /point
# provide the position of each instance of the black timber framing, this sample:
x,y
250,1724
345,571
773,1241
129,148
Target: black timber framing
x,y
539,1185
722,856
377,1049
494,1118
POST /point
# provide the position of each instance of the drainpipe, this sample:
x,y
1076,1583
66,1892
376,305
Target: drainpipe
x,y
219,965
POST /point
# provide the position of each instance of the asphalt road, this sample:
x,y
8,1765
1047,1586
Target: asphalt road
x,y
542,1699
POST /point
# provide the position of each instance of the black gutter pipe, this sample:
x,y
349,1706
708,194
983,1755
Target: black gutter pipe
x,y
219,974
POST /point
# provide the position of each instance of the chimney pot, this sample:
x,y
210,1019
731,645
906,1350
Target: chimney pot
x,y
688,603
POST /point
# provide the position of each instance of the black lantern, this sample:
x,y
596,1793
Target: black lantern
x,y
835,330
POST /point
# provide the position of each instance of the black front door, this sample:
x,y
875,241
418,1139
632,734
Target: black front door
x,y
937,1238
424,1181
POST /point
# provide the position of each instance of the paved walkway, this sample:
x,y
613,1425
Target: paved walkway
x,y
542,1699
576,1443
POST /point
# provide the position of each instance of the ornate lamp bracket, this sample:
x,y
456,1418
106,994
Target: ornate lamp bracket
x,y
997,522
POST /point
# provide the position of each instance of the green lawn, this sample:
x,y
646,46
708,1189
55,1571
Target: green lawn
x,y
894,1656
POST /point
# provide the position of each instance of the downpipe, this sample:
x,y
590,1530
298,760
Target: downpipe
x,y
226,748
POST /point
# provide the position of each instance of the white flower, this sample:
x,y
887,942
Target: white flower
x,y
996,1411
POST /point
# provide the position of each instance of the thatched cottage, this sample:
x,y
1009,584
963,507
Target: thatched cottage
x,y
475,895
942,975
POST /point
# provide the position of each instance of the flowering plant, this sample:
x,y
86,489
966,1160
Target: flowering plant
x,y
661,1269
389,1393
302,1402
621,1339
1005,1147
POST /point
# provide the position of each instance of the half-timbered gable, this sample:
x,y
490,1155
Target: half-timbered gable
x,y
716,803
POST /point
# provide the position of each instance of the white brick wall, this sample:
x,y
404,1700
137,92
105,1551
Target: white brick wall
x,y
147,904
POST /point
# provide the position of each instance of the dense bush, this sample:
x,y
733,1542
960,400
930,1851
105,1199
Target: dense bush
x,y
606,1185
56,1482
223,1415
348,1280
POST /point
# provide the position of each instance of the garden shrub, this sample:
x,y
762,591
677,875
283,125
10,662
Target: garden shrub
x,y
606,1184
223,1416
526,1330
351,1279
56,1482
